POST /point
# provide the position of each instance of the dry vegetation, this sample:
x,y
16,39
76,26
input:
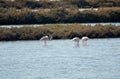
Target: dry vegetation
x,y
59,32
61,15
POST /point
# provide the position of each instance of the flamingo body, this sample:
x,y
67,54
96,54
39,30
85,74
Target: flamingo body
x,y
76,41
84,40
45,39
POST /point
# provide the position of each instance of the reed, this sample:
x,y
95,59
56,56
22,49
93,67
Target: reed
x,y
62,15
59,32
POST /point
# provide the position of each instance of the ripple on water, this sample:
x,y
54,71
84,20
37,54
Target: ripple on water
x,y
60,60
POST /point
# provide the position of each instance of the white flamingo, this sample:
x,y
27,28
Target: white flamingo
x,y
84,40
76,41
45,39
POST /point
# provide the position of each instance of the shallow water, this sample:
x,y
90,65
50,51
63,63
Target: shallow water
x,y
99,59
66,24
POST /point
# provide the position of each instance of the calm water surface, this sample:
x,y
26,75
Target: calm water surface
x,y
66,24
99,59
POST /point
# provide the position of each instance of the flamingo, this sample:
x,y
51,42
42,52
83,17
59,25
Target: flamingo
x,y
84,40
76,41
45,39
